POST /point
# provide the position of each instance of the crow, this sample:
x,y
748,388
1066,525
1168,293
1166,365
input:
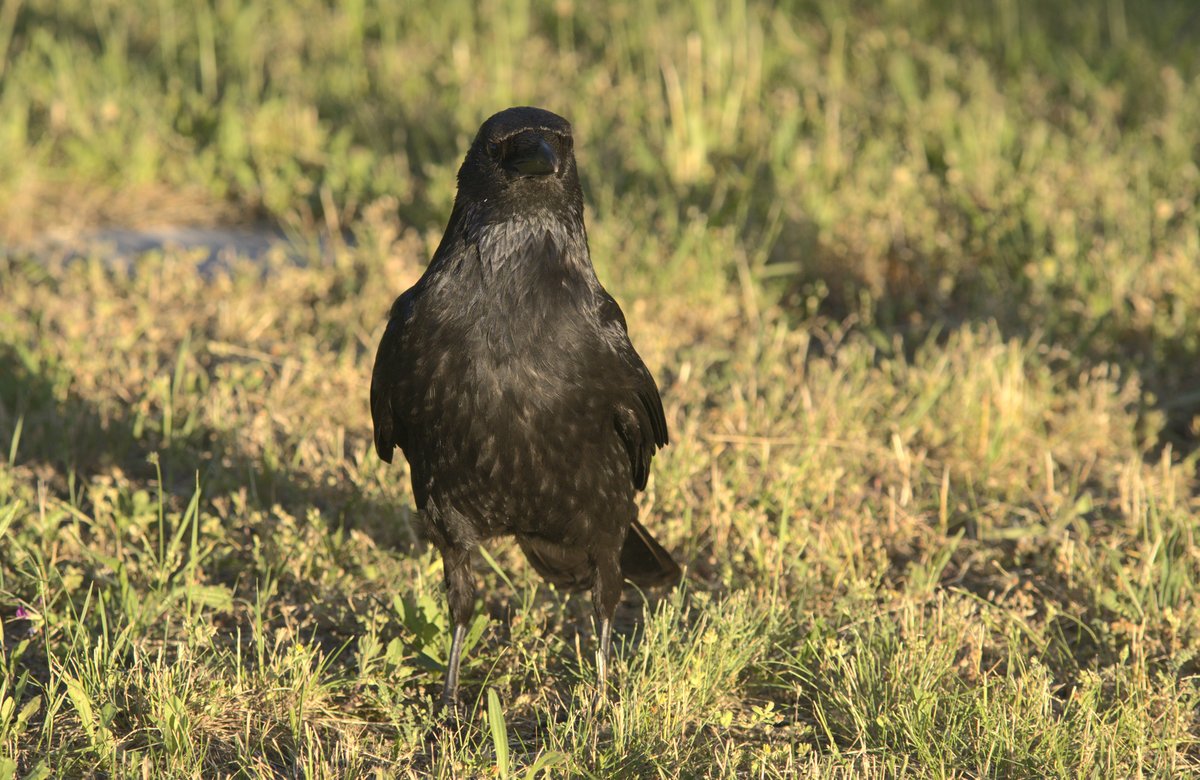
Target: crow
x,y
507,378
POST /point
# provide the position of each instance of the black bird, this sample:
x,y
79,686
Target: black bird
x,y
507,378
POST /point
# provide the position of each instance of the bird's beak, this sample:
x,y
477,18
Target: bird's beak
x,y
533,159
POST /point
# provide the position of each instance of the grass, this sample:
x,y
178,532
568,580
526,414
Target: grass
x,y
918,279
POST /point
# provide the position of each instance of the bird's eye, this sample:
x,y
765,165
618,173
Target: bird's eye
x,y
493,150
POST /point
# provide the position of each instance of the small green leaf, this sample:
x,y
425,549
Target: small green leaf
x,y
39,772
215,597
546,762
495,717
28,711
82,704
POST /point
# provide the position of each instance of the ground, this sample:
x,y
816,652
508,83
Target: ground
x,y
919,283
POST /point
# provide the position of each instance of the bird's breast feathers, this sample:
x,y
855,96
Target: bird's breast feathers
x,y
522,329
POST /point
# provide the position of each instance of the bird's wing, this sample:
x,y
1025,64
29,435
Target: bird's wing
x,y
386,379
639,416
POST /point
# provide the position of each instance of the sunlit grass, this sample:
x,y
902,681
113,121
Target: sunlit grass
x,y
918,280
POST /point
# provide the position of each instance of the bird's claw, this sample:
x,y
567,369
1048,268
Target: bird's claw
x,y
600,702
453,714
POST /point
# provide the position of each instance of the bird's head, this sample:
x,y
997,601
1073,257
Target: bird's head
x,y
522,161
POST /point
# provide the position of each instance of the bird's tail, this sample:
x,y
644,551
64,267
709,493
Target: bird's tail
x,y
645,562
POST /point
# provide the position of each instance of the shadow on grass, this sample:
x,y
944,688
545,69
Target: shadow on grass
x,y
62,441
902,300
65,439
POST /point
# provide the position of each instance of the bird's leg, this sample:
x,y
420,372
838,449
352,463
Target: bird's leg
x,y
450,692
606,594
460,592
602,654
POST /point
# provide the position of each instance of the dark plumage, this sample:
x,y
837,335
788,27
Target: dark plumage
x,y
507,378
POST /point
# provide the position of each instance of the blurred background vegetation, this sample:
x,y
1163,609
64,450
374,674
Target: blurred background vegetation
x,y
959,240
908,161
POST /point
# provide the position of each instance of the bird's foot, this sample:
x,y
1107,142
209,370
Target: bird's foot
x,y
454,714
600,702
